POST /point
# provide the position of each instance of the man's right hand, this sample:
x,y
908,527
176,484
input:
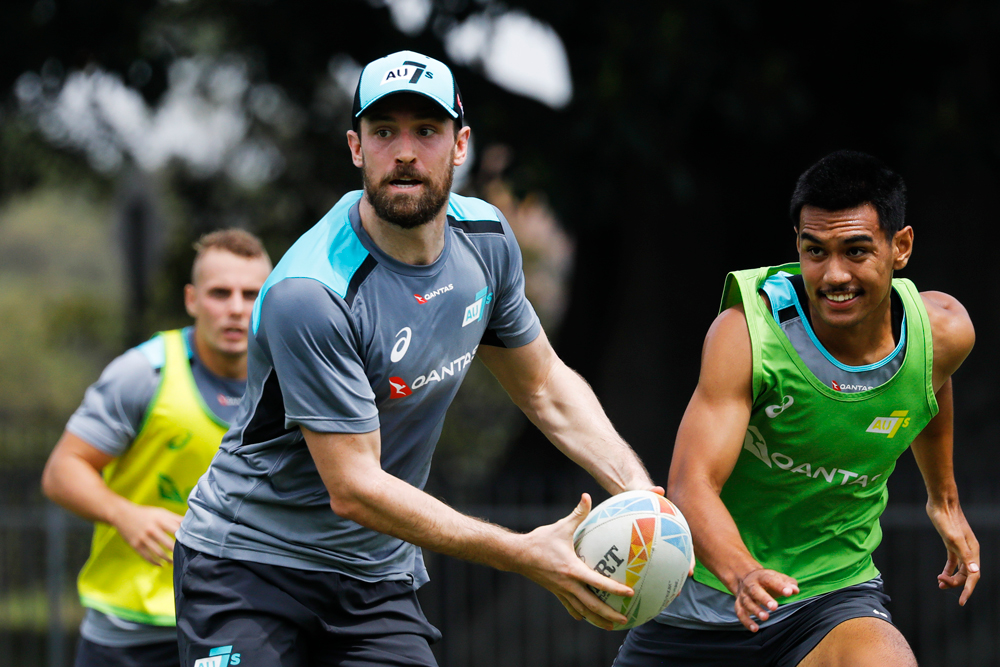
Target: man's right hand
x,y
755,595
149,530
550,561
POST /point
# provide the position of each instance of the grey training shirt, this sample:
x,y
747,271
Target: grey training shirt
x,y
345,339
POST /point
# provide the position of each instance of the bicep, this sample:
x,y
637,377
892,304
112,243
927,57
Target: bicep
x,y
711,433
344,460
522,370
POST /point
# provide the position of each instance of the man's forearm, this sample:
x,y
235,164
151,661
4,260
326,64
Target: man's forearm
x,y
717,541
566,410
384,503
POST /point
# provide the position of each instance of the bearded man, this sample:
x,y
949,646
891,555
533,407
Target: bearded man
x,y
302,543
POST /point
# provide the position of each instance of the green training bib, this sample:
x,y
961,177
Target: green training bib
x,y
810,482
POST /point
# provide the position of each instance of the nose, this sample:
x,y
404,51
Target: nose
x,y
405,148
837,272
237,304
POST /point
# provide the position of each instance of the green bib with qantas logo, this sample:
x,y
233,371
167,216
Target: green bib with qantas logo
x,y
810,482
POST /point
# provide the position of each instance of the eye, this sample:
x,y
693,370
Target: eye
x,y
857,251
426,131
382,133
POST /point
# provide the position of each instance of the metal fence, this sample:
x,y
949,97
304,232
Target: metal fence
x,y
497,619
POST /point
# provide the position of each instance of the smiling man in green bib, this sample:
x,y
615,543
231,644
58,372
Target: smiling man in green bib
x,y
815,378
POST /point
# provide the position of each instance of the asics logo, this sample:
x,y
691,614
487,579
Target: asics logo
x,y
402,344
773,411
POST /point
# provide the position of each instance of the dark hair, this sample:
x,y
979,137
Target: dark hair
x,y
847,179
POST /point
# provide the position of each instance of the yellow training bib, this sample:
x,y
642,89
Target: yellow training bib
x,y
176,442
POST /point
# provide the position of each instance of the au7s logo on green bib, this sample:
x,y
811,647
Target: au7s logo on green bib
x,y
889,425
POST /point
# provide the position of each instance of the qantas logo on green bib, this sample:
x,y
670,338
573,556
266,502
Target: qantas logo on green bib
x,y
754,443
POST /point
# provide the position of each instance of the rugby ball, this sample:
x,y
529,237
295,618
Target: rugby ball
x,y
642,540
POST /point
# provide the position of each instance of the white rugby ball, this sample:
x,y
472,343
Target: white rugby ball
x,y
642,540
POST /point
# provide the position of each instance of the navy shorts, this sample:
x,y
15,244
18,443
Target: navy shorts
x,y
783,644
247,613
161,654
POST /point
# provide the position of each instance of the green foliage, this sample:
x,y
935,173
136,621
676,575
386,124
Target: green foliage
x,y
60,300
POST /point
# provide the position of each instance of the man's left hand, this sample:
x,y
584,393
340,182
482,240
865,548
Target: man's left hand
x,y
962,568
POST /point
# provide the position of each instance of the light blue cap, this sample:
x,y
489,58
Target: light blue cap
x,y
408,72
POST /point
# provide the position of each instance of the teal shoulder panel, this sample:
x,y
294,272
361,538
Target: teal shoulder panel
x,y
779,292
470,208
329,253
155,351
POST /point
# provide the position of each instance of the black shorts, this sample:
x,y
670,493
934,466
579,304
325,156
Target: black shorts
x,y
161,654
258,614
783,644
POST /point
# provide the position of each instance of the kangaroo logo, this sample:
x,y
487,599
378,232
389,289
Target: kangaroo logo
x,y
754,443
773,411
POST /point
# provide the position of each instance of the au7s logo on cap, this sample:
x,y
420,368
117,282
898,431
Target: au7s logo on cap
x,y
411,70
221,656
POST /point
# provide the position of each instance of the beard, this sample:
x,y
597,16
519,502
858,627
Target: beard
x,y
404,210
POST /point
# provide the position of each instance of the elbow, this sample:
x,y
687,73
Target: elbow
x,y
346,502
49,484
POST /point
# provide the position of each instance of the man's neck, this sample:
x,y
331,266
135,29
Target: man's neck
x,y
418,246
223,365
867,342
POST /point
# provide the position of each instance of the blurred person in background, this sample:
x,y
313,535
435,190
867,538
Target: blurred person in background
x,y
133,450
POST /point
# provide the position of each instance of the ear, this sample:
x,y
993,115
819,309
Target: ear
x,y
902,246
798,246
462,146
354,143
189,300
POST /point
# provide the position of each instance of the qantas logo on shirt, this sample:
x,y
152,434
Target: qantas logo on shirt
x,y
840,386
754,443
229,401
398,387
430,295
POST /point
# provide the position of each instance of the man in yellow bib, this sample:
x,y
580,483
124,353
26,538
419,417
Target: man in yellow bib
x,y
144,434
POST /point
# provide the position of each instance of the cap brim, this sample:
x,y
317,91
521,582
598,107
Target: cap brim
x,y
444,105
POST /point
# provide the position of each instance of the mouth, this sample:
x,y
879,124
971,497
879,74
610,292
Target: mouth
x,y
406,183
840,298
234,332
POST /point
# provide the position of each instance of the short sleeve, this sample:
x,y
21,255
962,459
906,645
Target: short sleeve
x,y
114,407
513,322
315,348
